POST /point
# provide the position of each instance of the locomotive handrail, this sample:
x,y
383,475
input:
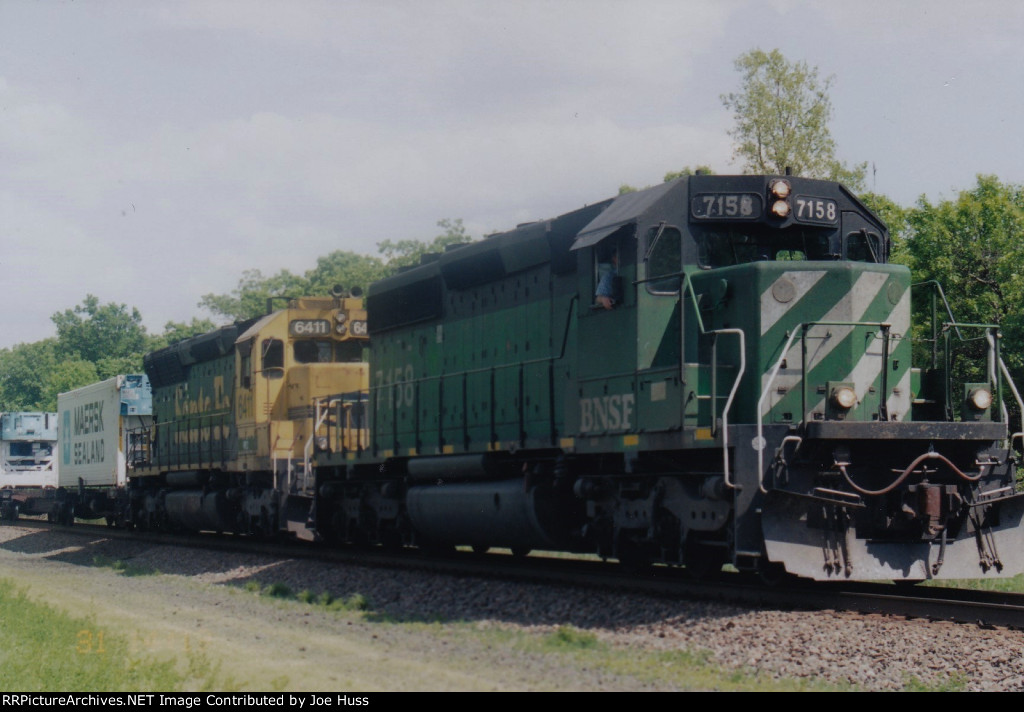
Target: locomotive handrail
x,y
319,419
188,452
800,330
714,362
732,395
992,374
351,422
952,319
1013,389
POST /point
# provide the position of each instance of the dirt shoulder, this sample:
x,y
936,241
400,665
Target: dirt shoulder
x,y
203,616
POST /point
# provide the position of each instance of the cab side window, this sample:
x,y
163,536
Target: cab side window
x,y
664,257
607,286
273,358
864,246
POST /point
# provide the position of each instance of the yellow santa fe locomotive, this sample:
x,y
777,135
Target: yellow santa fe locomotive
x,y
235,418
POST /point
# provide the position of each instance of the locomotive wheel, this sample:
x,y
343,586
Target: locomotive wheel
x,y
480,549
435,548
632,556
520,551
391,539
703,561
773,573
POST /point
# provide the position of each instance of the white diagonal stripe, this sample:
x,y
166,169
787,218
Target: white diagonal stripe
x,y
772,310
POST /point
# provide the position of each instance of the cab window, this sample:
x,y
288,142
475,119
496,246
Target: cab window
x,y
728,246
273,358
864,246
310,351
349,351
664,257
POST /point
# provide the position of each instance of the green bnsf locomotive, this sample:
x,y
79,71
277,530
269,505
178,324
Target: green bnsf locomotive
x,y
716,370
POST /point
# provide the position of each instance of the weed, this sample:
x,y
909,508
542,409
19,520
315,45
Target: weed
x,y
568,637
1005,585
123,567
954,682
278,590
353,602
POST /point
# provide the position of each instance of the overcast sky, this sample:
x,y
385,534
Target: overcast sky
x,y
152,151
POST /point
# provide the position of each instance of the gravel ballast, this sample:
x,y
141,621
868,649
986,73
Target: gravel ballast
x,y
194,603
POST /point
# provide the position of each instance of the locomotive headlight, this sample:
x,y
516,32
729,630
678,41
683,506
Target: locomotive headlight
x,y
321,443
981,398
340,317
779,188
340,329
780,208
844,397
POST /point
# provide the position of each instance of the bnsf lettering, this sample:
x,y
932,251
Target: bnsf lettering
x,y
606,413
89,418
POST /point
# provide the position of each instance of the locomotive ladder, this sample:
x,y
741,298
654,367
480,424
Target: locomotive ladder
x,y
714,333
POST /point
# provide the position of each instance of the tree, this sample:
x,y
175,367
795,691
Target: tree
x,y
972,247
782,112
895,218
66,376
405,253
249,298
687,171
670,176
23,375
93,332
348,269
175,331
345,269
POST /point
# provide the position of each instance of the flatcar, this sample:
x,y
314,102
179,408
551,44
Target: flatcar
x,y
715,370
74,463
28,462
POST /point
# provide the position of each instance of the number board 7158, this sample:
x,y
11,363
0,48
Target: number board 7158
x,y
809,209
730,206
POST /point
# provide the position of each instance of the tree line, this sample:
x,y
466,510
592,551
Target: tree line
x,y
96,341
972,244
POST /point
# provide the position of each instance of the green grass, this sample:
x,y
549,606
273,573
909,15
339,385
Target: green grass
x,y
568,638
568,646
575,648
352,602
1004,585
42,648
123,567
955,682
682,669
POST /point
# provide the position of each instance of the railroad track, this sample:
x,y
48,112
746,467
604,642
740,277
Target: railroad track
x,y
983,608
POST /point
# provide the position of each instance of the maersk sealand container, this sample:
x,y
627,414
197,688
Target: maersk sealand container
x,y
100,428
